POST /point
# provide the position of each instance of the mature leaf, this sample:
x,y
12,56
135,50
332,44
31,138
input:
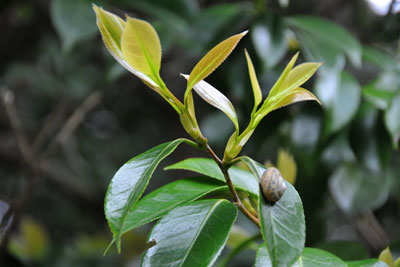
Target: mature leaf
x,y
191,235
379,58
283,227
254,82
294,96
141,47
111,28
378,97
340,103
366,263
241,179
313,257
215,98
128,185
298,76
357,190
286,165
73,21
392,120
262,257
282,223
331,33
213,59
166,198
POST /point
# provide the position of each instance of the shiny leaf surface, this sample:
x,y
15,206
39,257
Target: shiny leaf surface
x,y
128,185
242,179
160,201
191,235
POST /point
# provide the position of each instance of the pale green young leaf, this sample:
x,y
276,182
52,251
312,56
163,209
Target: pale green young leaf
x,y
287,166
298,76
254,82
141,47
296,95
111,28
213,59
282,78
215,98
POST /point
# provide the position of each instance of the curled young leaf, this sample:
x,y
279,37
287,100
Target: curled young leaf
x,y
297,95
213,59
254,82
141,47
215,98
111,28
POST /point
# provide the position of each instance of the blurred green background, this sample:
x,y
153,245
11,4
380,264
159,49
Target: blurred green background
x,y
71,116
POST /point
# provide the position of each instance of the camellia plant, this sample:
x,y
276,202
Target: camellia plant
x,y
192,227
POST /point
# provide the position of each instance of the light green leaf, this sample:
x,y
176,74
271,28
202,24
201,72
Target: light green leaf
x,y
392,121
128,185
213,59
278,84
367,263
191,235
357,190
298,76
294,96
141,48
282,223
111,28
160,201
241,179
215,98
286,165
73,21
262,257
254,82
331,33
313,257
387,257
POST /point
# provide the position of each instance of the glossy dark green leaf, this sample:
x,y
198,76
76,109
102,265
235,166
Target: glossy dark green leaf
x,y
313,257
366,263
242,179
331,33
282,223
74,21
128,185
392,120
283,227
191,235
262,257
166,198
356,190
340,102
